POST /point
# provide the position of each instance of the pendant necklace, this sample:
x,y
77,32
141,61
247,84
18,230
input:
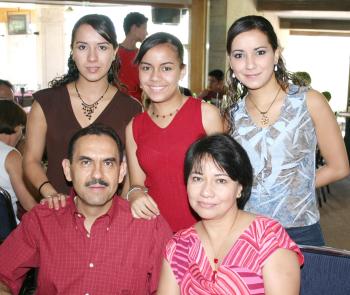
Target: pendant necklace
x,y
217,255
89,108
265,120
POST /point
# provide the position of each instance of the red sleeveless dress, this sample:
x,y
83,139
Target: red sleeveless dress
x,y
161,154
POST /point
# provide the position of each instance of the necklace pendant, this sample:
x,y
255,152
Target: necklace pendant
x,y
214,276
264,120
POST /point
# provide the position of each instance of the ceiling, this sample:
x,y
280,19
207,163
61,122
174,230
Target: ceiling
x,y
317,15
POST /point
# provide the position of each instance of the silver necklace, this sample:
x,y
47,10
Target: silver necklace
x,y
89,109
265,120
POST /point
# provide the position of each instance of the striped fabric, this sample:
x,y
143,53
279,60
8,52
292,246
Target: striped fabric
x,y
240,271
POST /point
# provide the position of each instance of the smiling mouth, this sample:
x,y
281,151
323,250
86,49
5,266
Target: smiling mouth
x,y
156,88
206,205
252,75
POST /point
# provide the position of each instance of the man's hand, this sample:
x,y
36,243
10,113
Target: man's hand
x,y
55,201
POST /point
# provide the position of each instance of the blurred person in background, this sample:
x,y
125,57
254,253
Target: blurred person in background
x,y
135,28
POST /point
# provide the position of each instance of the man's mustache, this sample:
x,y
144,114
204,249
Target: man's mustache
x,y
97,181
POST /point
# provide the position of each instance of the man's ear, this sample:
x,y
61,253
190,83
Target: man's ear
x,y
122,170
66,169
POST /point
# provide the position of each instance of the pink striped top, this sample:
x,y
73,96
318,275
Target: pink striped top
x,y
240,271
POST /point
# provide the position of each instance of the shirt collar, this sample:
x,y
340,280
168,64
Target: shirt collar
x,y
111,213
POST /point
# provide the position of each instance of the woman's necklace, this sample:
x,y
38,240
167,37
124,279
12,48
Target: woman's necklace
x,y
89,108
218,254
154,114
265,120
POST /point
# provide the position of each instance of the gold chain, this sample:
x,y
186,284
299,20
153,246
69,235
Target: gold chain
x,y
265,120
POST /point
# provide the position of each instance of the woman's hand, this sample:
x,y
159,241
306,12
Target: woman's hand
x,y
55,201
142,205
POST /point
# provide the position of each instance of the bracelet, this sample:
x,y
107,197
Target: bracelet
x,y
136,188
41,186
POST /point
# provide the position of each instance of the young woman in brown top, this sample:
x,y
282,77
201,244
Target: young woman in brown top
x,y
83,96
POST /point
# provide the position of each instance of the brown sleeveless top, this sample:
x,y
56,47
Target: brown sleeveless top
x,y
62,124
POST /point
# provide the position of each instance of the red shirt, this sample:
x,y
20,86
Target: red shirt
x,y
129,72
121,255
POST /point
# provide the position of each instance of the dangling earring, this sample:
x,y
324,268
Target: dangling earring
x,y
275,68
233,75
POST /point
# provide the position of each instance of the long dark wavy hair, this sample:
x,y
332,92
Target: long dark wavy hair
x,y
236,89
102,25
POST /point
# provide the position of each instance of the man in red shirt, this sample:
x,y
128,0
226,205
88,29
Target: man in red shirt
x,y
92,245
135,28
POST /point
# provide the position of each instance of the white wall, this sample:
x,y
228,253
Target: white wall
x,y
326,59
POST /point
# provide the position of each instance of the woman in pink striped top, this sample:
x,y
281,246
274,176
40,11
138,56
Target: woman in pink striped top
x,y
229,251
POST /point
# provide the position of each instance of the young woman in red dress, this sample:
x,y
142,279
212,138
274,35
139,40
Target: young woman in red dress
x,y
157,139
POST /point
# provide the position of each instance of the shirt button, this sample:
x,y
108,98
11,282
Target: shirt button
x,y
91,265
87,294
88,235
107,228
79,215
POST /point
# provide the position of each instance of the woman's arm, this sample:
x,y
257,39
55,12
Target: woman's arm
x,y
281,273
329,140
142,205
13,166
211,118
33,153
167,282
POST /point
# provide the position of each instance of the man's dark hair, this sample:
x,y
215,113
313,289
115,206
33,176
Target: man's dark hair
x,y
228,155
11,116
133,18
95,129
7,83
218,74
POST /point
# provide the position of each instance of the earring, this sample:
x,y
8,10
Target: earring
x,y
233,75
275,68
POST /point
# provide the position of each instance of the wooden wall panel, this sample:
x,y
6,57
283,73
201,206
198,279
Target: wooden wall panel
x,y
198,34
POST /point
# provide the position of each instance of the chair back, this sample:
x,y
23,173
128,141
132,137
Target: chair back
x,y
7,214
325,271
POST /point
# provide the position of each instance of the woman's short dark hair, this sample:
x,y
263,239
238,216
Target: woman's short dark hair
x,y
104,26
228,155
11,116
157,39
95,129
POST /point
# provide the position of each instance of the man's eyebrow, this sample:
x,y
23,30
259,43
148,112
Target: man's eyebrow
x,y
84,158
111,159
